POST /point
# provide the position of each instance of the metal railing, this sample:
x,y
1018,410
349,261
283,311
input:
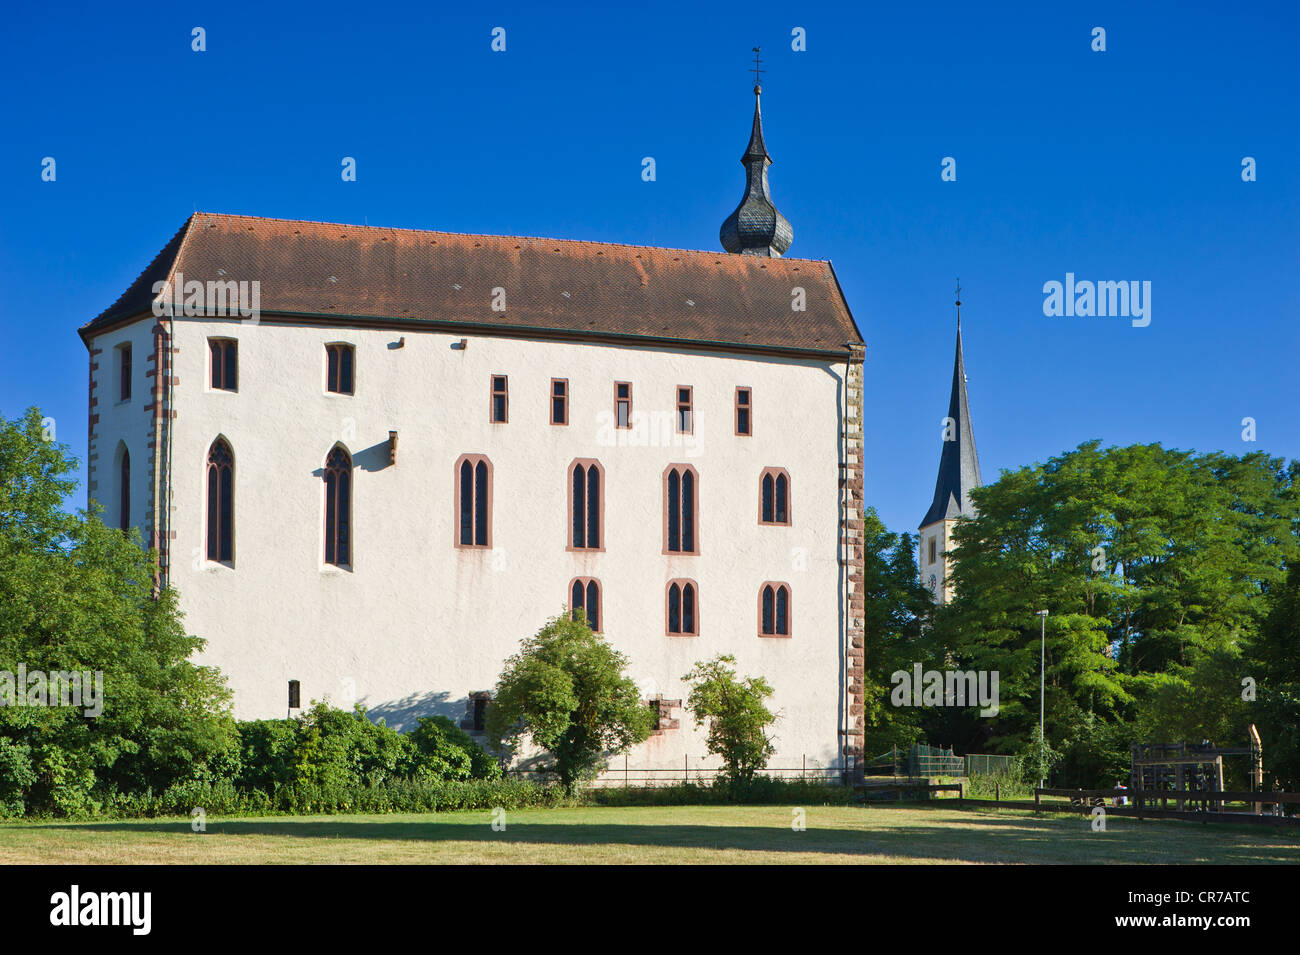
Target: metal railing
x,y
696,770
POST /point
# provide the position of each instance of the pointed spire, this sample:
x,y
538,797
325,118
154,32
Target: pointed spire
x,y
959,465
756,227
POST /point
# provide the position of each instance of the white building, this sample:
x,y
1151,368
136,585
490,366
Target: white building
x,y
411,448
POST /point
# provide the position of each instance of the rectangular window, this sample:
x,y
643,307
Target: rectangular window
x,y
744,412
225,367
295,695
338,377
559,401
124,372
622,404
932,549
685,419
480,712
500,399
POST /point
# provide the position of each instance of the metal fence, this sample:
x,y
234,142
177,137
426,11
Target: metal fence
x,y
986,764
922,760
696,770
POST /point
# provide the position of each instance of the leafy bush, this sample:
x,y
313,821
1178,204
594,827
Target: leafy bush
x,y
724,790
566,691
1004,783
1037,759
17,774
445,751
736,714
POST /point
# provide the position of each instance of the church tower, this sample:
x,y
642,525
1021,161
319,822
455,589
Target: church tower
x,y
756,227
959,471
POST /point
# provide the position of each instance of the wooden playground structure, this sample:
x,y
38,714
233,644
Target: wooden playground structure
x,y
1184,781
1191,776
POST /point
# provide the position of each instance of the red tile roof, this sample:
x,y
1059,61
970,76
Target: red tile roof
x,y
354,274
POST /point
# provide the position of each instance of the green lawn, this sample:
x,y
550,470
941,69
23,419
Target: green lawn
x,y
692,834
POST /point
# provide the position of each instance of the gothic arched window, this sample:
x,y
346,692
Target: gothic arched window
x,y
681,509
124,490
683,613
774,610
584,595
473,501
338,508
774,497
221,502
586,505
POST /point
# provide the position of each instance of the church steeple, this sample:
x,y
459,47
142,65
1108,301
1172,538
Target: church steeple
x,y
959,465
959,472
756,227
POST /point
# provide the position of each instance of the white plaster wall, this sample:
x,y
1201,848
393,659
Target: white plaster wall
x,y
941,531
122,422
417,623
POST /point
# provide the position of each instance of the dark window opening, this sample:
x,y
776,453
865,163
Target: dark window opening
x,y
685,422
225,364
622,404
338,508
680,500
221,502
338,377
500,402
584,596
559,401
124,372
474,502
124,491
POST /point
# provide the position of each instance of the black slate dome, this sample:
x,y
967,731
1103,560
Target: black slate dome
x,y
756,227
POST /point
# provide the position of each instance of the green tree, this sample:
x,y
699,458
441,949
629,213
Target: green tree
x,y
566,692
1155,564
78,596
897,610
1273,661
737,715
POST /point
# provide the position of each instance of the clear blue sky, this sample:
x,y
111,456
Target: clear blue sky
x,y
1117,165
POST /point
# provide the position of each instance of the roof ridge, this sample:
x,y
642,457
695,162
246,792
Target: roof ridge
x,y
486,235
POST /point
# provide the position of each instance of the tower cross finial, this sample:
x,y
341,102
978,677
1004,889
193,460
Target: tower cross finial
x,y
959,303
756,71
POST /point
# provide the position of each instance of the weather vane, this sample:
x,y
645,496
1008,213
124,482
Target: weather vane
x,y
756,70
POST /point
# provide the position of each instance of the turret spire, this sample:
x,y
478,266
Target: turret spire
x,y
959,465
756,227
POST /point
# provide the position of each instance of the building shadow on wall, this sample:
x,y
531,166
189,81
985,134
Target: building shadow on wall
x,y
402,714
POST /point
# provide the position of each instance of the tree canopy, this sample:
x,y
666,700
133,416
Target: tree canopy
x,y
565,690
76,595
1165,574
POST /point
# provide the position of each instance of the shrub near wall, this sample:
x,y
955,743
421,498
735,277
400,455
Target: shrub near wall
x,y
393,796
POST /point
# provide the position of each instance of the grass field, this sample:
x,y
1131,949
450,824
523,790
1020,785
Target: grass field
x,y
691,834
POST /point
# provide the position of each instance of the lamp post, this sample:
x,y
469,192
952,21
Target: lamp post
x,y
1042,685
